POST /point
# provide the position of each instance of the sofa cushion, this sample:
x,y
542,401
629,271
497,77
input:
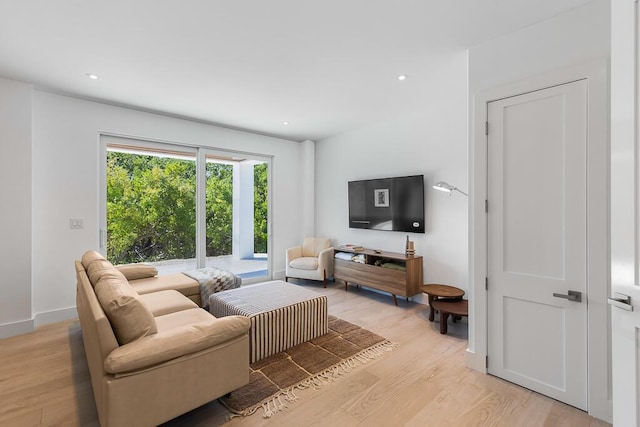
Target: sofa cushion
x,y
182,318
178,281
305,263
137,271
312,246
129,316
180,341
165,302
89,257
100,268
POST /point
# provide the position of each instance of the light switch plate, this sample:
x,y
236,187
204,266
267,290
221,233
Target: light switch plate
x,y
76,223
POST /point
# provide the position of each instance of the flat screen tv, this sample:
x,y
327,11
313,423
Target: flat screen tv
x,y
392,204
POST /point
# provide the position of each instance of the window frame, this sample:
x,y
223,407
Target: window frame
x,y
200,153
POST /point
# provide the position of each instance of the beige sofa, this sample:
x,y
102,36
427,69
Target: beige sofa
x,y
156,355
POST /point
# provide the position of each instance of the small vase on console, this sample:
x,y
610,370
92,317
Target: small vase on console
x,y
409,248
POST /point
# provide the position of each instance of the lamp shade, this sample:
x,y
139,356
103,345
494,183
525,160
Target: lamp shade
x,y
447,188
443,186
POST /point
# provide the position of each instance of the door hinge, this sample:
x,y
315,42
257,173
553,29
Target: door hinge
x,y
486,283
486,206
486,128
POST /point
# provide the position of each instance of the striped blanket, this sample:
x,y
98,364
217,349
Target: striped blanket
x,y
213,280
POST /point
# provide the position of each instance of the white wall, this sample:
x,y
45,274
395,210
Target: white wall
x,y
15,206
63,168
433,143
571,38
577,37
307,181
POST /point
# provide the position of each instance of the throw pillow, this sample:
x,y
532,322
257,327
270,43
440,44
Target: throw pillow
x,y
137,271
89,257
130,318
100,268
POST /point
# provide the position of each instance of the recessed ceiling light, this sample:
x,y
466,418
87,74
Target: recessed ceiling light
x,y
285,123
92,76
402,77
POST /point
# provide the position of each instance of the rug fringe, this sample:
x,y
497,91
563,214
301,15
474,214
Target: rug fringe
x,y
275,404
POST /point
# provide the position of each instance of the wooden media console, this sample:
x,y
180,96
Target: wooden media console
x,y
405,282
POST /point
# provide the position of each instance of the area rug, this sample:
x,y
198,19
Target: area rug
x,y
273,380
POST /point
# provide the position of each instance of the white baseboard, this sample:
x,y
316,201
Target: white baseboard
x,y
609,416
604,413
54,316
420,298
278,275
25,326
476,362
16,328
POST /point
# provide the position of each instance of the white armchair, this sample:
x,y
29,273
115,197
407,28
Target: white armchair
x,y
313,260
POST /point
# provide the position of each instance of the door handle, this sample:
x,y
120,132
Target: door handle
x,y
571,296
621,301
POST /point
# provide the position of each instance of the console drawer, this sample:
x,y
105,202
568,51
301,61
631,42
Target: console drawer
x,y
385,279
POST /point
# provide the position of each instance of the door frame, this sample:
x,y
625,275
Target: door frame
x,y
625,185
598,355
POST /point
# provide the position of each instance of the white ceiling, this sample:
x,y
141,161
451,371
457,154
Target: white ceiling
x,y
326,67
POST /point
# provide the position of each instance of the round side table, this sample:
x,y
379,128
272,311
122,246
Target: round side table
x,y
454,307
435,291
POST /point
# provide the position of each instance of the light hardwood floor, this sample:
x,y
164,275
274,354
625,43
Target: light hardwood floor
x,y
44,379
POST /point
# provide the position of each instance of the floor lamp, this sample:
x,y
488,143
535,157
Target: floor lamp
x,y
448,188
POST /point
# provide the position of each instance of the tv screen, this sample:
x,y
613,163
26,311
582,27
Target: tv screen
x,y
392,204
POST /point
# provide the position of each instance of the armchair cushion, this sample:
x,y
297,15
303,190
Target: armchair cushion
x,y
312,246
305,263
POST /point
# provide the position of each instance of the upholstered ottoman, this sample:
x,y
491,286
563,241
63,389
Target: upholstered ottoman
x,y
282,315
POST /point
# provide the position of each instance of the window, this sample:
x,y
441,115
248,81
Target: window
x,y
155,212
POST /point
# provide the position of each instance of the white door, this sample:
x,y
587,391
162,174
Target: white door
x,y
625,239
537,272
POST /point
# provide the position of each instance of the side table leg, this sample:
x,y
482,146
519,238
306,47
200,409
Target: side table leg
x,y
395,300
430,299
443,322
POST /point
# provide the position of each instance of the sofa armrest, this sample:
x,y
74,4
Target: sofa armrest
x,y
293,253
154,349
325,260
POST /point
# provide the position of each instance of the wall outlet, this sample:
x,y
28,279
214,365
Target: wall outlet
x,y
76,223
